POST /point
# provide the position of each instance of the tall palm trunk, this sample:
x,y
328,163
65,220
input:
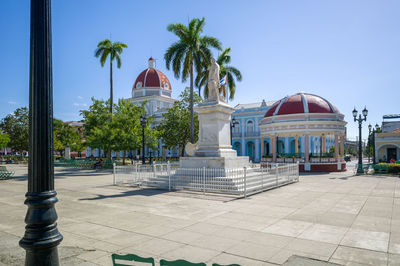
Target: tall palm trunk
x,y
191,104
111,86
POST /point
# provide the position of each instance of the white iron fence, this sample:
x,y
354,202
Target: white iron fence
x,y
241,181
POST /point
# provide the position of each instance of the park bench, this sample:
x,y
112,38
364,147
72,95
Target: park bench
x,y
4,173
150,261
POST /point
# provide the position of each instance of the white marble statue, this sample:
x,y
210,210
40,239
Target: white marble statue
x,y
213,81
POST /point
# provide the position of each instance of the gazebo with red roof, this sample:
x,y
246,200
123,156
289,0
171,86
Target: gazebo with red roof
x,y
305,118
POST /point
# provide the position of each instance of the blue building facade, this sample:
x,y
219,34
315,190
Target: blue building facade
x,y
246,138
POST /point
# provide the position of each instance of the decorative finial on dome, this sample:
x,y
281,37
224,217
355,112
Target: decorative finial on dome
x,y
152,62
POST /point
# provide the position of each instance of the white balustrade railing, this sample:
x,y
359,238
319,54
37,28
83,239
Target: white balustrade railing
x,y
240,181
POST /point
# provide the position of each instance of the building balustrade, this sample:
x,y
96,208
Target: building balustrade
x,y
236,134
252,134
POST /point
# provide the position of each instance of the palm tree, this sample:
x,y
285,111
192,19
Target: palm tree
x,y
189,53
231,72
113,50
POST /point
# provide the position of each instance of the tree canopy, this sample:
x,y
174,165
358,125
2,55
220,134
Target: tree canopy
x,y
119,131
16,126
175,127
4,140
64,135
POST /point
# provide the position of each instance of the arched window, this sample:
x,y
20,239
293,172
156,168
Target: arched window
x,y
250,126
236,129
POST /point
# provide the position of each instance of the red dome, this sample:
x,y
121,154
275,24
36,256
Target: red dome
x,y
301,103
152,78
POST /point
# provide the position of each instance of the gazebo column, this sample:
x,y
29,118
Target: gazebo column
x,y
273,147
342,145
307,147
323,143
296,144
336,147
262,147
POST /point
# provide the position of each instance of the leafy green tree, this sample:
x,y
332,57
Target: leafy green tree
x,y
188,54
120,131
105,49
64,135
231,73
4,140
98,129
16,126
175,127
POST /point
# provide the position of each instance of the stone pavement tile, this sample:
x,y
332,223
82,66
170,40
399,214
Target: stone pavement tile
x,y
251,226
372,240
226,259
384,212
182,236
345,263
73,240
236,233
157,246
268,211
156,230
214,242
394,260
394,243
370,223
284,254
253,251
92,255
104,260
324,233
190,253
204,228
287,227
362,256
312,247
301,216
395,226
78,262
270,240
337,219
347,207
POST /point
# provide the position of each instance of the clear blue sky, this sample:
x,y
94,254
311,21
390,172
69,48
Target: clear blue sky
x,y
344,50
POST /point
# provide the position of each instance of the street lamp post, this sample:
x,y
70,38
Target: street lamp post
x,y
374,130
233,124
143,124
360,119
369,142
41,236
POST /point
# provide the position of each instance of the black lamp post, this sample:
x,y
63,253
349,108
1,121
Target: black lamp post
x,y
233,124
41,236
360,120
369,142
143,124
374,130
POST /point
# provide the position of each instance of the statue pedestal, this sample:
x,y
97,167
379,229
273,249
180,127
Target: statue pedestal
x,y
214,147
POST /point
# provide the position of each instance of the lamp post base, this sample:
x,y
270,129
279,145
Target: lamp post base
x,y
41,234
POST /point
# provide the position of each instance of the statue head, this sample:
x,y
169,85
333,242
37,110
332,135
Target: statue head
x,y
213,61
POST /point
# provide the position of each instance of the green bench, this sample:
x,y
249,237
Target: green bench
x,y
150,261
4,173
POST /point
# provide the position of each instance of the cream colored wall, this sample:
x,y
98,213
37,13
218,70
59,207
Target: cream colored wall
x,y
387,140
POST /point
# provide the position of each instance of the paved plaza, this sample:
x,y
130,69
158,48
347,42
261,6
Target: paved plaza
x,y
337,217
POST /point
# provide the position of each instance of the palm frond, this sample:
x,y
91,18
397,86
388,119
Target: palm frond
x,y
208,41
118,58
231,85
103,57
179,30
235,72
186,65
